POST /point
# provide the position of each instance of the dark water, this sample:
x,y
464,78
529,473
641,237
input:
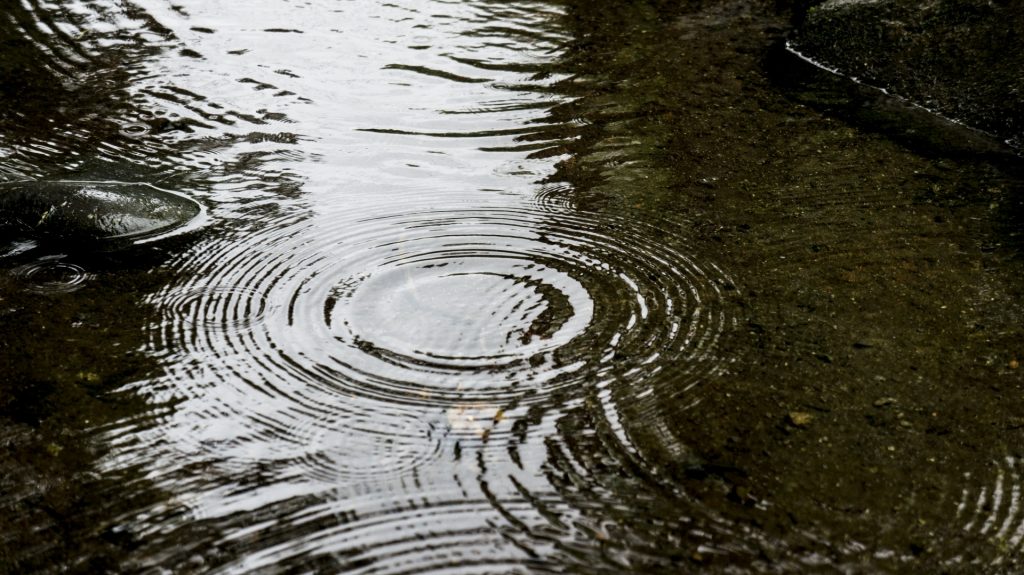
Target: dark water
x,y
496,287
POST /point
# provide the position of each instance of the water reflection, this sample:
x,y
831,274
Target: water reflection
x,y
355,366
443,307
74,315
462,303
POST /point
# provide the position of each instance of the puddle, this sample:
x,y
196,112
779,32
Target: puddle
x,y
493,287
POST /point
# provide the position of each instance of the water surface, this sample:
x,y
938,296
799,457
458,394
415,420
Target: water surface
x,y
493,287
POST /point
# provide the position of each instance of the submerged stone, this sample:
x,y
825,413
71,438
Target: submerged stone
x,y
73,210
959,58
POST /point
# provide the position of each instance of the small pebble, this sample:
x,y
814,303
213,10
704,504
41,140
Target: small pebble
x,y
799,418
882,402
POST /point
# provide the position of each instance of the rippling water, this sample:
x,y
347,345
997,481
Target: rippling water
x,y
451,308
387,319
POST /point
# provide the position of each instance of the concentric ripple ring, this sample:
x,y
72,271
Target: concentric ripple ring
x,y
49,275
445,308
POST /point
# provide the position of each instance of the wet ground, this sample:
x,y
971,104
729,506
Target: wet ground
x,y
496,287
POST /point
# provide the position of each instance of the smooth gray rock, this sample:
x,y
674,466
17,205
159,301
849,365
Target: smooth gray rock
x,y
92,211
963,59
